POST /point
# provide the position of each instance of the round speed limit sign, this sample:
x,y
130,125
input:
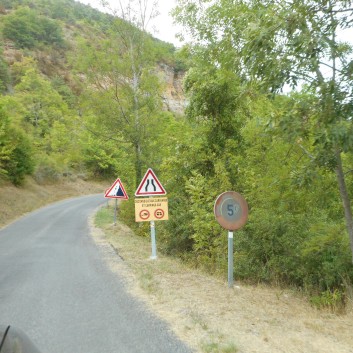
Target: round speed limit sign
x,y
231,210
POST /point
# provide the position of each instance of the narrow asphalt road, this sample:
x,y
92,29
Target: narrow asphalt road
x,y
55,286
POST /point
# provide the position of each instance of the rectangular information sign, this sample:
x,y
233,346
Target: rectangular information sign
x,y
151,209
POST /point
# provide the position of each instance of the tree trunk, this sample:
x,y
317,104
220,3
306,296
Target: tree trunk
x,y
138,164
345,198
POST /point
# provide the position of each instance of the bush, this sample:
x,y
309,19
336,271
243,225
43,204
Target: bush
x,y
21,161
326,256
16,158
28,30
4,74
46,171
332,300
268,249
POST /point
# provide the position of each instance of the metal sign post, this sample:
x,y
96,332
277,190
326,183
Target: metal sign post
x,y
230,259
153,241
231,212
115,211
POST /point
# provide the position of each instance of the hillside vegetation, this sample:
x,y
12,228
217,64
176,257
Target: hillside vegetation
x,y
81,94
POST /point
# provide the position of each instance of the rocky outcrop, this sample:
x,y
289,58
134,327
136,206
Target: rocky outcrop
x,y
173,93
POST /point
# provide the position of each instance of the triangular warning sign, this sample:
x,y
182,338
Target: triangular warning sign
x,y
150,185
116,191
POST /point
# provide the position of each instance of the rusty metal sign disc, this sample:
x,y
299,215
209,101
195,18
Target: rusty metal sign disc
x,y
231,210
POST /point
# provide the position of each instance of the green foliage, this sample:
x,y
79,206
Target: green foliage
x,y
332,300
41,113
101,162
60,86
10,4
199,172
16,159
14,4
5,148
29,30
285,152
267,250
46,109
73,11
129,108
4,73
213,347
42,103
326,255
21,162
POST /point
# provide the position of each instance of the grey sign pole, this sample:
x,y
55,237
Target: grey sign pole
x,y
153,241
115,211
230,259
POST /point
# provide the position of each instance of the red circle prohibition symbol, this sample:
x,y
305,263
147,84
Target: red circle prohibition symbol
x,y
144,214
159,213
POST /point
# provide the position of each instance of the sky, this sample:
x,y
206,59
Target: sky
x,y
166,31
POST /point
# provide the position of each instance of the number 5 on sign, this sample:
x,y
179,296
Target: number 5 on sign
x,y
231,210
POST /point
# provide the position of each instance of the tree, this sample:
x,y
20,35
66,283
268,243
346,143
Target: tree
x,y
127,90
27,29
5,148
16,159
4,73
40,112
206,161
43,105
296,43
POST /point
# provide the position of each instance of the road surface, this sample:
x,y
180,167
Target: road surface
x,y
55,286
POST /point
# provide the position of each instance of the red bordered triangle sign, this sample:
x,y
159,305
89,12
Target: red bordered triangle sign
x,y
150,185
116,191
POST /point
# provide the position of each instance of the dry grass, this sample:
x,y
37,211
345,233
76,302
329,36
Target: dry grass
x,y
210,317
16,201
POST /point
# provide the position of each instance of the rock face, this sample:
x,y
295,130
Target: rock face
x,y
173,93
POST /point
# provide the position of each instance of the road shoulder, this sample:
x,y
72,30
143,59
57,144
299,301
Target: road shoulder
x,y
210,317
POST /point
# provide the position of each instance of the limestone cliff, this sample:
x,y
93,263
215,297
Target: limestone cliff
x,y
173,93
